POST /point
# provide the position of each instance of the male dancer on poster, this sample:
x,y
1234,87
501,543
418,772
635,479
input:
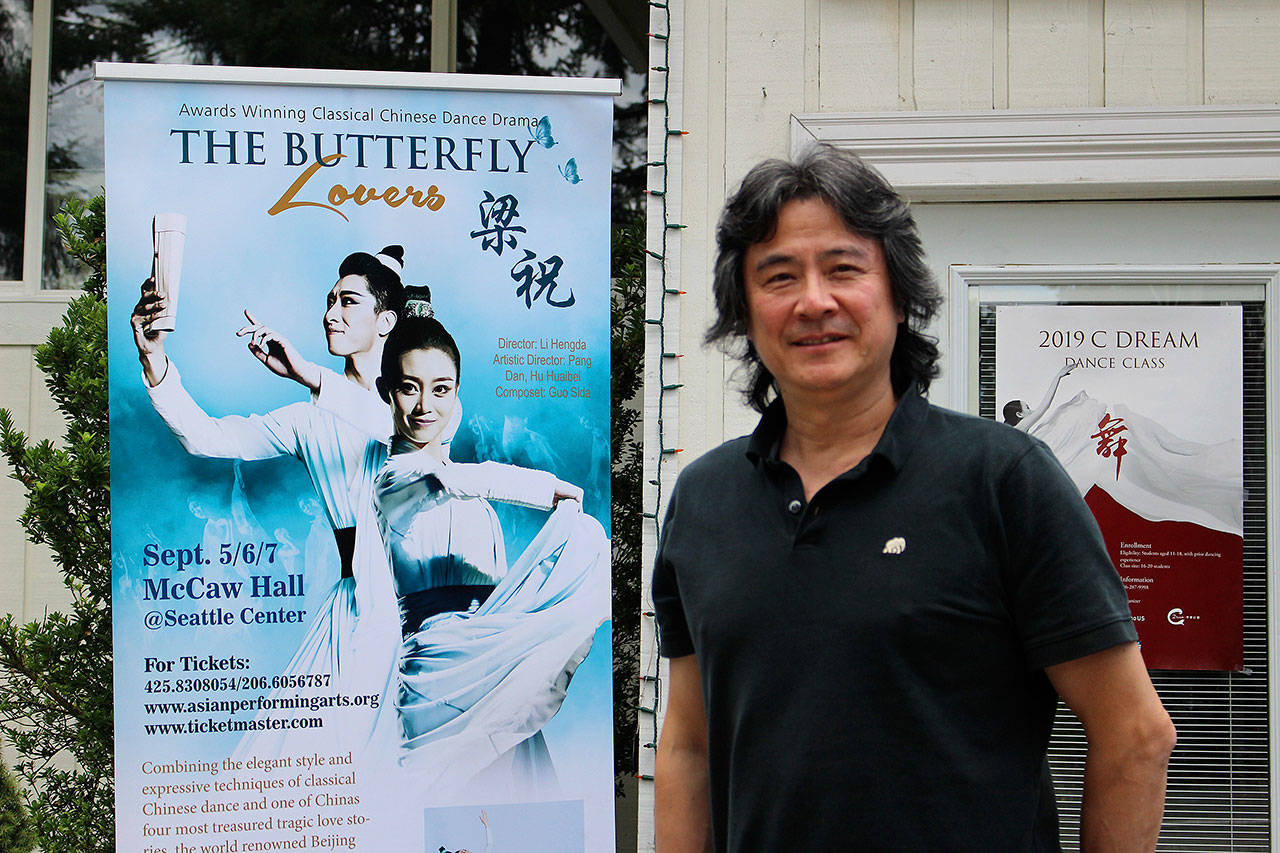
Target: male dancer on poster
x,y
355,635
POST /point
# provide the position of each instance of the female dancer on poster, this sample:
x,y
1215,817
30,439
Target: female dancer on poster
x,y
1018,415
488,649
352,636
1158,475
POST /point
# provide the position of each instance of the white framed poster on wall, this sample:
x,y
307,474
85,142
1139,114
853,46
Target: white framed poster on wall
x,y
1143,406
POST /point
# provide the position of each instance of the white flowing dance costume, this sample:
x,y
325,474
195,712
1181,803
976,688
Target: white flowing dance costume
x,y
481,672
353,636
1161,477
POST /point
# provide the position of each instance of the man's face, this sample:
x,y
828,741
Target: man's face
x,y
352,322
820,307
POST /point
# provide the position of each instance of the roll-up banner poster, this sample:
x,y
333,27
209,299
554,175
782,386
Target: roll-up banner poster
x,y
359,377
1143,406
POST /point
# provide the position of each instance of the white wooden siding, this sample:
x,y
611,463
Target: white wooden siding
x,y
952,54
1241,63
1153,57
29,582
858,46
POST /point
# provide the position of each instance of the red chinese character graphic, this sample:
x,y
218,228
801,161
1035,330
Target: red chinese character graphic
x,y
1110,442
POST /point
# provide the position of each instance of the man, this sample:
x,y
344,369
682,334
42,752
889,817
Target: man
x,y
871,604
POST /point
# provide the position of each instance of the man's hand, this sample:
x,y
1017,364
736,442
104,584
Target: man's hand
x,y
682,794
278,354
150,342
1129,740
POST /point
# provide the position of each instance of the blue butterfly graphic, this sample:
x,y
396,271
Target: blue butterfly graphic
x,y
542,134
570,171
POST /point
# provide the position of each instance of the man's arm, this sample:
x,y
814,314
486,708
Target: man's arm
x,y
1129,738
201,435
228,437
682,806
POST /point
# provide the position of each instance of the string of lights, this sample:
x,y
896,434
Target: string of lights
x,y
658,188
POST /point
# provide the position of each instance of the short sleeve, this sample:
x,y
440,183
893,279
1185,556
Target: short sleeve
x,y
673,630
1066,597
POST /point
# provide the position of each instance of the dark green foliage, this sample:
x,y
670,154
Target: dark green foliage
x,y
627,351
55,672
16,835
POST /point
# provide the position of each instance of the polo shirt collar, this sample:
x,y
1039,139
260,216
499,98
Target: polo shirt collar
x,y
895,444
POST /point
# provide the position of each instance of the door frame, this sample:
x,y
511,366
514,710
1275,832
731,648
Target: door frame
x,y
1059,155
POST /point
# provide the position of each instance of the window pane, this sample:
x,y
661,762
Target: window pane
x,y
83,32
15,95
74,156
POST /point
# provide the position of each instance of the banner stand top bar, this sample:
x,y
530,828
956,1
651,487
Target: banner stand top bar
x,y
368,79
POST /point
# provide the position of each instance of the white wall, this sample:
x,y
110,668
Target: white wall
x,y
29,582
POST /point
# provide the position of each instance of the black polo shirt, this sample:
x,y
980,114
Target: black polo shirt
x,y
872,660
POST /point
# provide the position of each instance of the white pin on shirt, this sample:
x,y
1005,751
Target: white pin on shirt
x,y
896,545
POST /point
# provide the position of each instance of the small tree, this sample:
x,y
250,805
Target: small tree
x,y
15,827
55,672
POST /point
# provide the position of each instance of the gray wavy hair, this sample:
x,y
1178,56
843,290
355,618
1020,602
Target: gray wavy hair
x,y
867,205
